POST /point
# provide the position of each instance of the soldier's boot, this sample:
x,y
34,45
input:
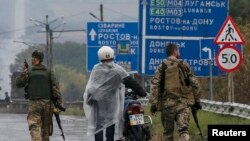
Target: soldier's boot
x,y
184,137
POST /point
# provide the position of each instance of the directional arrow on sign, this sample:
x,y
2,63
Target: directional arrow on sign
x,y
206,49
92,33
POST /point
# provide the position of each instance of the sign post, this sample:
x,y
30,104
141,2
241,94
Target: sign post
x,y
229,58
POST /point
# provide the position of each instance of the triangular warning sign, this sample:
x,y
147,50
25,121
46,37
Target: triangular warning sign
x,y
229,33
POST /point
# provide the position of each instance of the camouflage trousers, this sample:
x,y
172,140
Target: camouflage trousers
x,y
175,115
40,119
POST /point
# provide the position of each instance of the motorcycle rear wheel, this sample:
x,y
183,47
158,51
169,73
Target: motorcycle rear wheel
x,y
137,134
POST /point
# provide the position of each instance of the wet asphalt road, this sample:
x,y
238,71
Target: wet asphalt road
x,y
14,127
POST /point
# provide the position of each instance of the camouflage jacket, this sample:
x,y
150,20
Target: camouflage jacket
x,y
155,86
23,80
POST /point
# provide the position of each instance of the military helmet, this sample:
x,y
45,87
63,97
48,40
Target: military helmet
x,y
105,53
37,54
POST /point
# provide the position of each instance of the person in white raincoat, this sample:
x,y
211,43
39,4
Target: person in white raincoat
x,y
104,97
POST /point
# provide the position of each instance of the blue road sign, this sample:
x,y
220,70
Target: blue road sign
x,y
190,24
109,34
197,53
202,18
189,50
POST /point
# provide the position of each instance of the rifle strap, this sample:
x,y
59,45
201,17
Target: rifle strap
x,y
162,81
180,64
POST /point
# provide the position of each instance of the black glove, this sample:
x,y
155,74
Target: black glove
x,y
153,109
143,94
197,105
60,107
131,83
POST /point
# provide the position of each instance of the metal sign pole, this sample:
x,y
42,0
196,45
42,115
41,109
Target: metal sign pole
x,y
211,79
232,86
229,87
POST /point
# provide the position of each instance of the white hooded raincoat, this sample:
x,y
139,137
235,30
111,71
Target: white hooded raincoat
x,y
104,98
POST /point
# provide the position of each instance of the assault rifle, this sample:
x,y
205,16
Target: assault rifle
x,y
194,113
58,108
56,113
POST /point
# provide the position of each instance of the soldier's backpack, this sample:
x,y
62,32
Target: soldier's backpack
x,y
175,80
174,73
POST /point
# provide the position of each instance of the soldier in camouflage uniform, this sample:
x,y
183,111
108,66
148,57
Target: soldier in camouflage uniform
x,y
39,81
180,91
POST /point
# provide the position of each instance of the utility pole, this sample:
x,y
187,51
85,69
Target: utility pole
x,y
50,48
101,12
49,38
101,19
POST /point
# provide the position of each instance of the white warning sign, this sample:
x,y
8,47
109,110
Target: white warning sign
x,y
229,33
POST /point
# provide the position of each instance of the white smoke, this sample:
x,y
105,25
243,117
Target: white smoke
x,y
9,49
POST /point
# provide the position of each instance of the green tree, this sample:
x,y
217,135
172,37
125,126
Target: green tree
x,y
239,10
241,77
70,54
71,83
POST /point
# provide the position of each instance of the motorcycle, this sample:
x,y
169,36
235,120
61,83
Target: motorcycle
x,y
136,124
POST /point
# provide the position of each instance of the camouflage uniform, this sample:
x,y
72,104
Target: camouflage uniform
x,y
175,102
40,110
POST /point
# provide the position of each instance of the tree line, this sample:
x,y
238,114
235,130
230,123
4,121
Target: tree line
x,y
69,66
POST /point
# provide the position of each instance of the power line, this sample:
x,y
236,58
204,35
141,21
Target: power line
x,y
79,13
73,30
16,30
122,14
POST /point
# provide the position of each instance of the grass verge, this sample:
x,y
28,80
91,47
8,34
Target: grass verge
x,y
205,119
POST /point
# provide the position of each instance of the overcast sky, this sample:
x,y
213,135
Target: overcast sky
x,y
75,12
